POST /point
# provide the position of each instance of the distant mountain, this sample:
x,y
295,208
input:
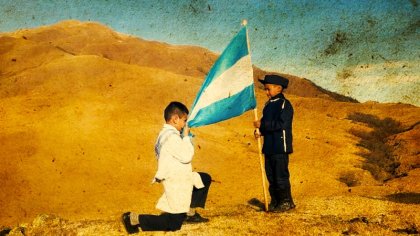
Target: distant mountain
x,y
87,38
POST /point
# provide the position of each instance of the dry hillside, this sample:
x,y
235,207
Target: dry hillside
x,y
80,108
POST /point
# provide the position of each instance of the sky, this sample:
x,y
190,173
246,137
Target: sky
x,y
366,49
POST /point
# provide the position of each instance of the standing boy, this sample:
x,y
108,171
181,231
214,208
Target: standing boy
x,y
276,128
184,189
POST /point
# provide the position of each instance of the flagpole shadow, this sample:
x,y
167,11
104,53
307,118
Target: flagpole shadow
x,y
256,204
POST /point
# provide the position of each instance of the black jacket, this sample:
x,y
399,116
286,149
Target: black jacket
x,y
276,126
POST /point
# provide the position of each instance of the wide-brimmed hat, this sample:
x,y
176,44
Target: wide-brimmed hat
x,y
275,79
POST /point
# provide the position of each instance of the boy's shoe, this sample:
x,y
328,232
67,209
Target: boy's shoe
x,y
272,206
131,229
196,218
285,206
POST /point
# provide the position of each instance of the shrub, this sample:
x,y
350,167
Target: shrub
x,y
349,178
379,158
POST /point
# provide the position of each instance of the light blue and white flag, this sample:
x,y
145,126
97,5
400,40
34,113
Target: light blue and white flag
x,y
228,89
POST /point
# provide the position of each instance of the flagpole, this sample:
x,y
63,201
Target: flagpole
x,y
244,23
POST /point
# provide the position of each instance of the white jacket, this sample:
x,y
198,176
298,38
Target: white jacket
x,y
174,168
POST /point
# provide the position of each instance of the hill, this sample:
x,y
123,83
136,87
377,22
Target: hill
x,y
80,108
80,38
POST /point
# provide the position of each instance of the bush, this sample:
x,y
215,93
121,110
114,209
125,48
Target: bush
x,y
379,158
349,178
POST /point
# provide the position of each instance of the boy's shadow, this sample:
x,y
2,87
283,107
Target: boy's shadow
x,y
256,204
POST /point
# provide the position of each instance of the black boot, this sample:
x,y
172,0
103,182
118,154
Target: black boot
x,y
279,196
131,229
289,197
285,201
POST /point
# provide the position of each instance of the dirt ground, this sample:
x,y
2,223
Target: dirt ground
x,y
78,122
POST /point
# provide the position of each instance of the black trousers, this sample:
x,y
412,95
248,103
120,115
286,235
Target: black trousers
x,y
173,222
163,222
278,176
199,196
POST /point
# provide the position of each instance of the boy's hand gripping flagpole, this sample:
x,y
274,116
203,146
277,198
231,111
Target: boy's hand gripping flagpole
x,y
262,168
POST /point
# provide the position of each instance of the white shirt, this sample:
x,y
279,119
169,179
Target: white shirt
x,y
174,155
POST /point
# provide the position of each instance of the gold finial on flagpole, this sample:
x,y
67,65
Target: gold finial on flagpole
x,y
244,22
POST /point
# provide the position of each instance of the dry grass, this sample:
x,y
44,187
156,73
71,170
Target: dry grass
x,y
233,220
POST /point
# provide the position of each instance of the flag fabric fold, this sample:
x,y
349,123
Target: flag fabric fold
x,y
228,89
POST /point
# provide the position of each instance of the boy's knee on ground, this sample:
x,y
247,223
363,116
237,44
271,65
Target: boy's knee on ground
x,y
175,221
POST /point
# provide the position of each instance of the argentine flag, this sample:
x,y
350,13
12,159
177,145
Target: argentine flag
x,y
228,89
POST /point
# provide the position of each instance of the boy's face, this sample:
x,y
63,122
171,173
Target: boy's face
x,y
179,122
272,89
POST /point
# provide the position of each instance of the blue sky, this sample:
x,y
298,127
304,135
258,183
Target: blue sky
x,y
325,41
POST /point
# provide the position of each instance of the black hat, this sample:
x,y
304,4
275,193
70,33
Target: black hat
x,y
275,79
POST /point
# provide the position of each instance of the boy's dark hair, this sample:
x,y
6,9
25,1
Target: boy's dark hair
x,y
175,108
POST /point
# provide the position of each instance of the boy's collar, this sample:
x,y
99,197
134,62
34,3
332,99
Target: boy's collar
x,y
277,97
168,126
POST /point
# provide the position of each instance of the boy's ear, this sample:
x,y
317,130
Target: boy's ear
x,y
172,119
175,118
